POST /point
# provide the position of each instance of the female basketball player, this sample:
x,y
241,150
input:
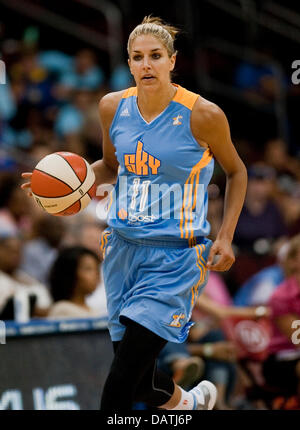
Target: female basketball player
x,y
157,138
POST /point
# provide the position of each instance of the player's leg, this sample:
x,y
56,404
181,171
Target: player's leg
x,y
134,355
133,376
153,391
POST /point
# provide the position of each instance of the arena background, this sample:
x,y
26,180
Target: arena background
x,y
238,54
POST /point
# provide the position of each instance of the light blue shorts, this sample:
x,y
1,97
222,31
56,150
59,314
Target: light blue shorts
x,y
155,283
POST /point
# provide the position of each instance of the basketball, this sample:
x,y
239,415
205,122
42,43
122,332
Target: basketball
x,y
63,183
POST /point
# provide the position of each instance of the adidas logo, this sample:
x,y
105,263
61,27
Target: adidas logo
x,y
125,112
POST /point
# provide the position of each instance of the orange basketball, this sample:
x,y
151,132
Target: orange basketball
x,y
63,183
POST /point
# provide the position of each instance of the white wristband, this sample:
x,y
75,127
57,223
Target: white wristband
x,y
208,350
260,311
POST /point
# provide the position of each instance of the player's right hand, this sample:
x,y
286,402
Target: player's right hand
x,y
27,185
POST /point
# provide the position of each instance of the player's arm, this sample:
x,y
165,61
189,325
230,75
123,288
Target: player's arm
x,y
106,169
211,129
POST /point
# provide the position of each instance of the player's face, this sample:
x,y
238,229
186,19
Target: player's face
x,y
149,61
87,274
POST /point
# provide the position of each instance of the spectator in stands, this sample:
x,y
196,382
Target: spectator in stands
x,y
14,205
33,80
85,73
215,210
121,78
73,276
13,280
260,217
259,75
176,360
290,203
282,368
287,191
56,62
87,233
40,252
91,135
259,225
7,108
40,148
209,340
89,237
276,155
70,121
219,357
258,289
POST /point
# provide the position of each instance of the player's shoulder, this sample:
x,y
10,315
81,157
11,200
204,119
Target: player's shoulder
x,y
207,113
109,103
207,108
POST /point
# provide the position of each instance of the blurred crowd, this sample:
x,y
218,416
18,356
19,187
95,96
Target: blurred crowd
x,y
50,267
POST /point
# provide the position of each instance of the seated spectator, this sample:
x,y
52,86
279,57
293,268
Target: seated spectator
x,y
35,84
260,217
91,134
220,365
56,62
215,304
40,252
85,74
73,276
258,289
212,309
276,155
7,102
258,77
120,78
175,360
14,205
88,234
282,368
215,210
70,118
259,225
13,280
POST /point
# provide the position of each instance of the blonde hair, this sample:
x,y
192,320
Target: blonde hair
x,y
156,27
291,254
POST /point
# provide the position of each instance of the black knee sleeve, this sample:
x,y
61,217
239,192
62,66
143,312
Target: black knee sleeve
x,y
133,371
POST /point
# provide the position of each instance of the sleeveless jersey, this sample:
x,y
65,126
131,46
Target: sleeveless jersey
x,y
161,191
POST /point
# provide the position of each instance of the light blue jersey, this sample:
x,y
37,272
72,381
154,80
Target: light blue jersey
x,y
155,250
161,190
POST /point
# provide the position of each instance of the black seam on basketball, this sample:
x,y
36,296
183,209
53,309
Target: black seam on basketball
x,y
55,177
79,200
86,169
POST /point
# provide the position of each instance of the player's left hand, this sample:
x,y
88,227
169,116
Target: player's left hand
x,y
225,257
